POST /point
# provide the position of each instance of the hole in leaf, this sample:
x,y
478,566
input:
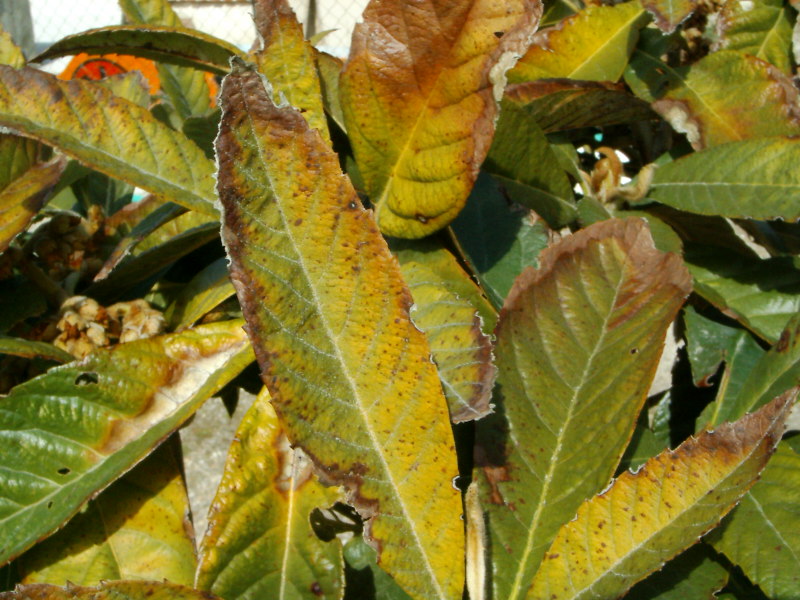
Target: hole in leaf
x,y
50,504
87,378
634,350
64,471
340,518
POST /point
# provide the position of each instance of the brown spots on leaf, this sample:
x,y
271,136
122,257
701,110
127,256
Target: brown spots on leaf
x,y
494,476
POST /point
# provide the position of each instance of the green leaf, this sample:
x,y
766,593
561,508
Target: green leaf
x,y
172,45
151,261
138,528
647,517
188,89
287,60
670,13
367,578
496,240
207,290
23,197
115,590
762,535
750,179
559,104
709,343
729,96
349,373
764,30
445,303
329,68
646,74
578,344
763,377
260,542
32,349
759,293
69,433
593,45
651,436
695,573
74,116
521,159
17,155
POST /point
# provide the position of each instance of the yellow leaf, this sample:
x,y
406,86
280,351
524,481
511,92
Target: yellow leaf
x,y
287,60
419,94
328,312
646,518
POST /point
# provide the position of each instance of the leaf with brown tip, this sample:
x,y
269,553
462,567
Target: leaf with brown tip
x,y
328,311
578,343
75,115
419,94
287,60
646,518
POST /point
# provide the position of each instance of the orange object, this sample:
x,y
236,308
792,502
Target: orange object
x,y
90,66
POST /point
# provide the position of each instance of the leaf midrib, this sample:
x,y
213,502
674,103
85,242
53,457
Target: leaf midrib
x,y
340,358
517,588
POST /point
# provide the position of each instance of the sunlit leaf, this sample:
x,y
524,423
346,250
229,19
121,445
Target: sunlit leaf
x,y
670,13
287,60
523,162
593,45
729,96
647,517
10,53
115,590
559,104
763,29
74,116
260,543
136,529
695,574
173,45
755,179
578,343
22,198
349,373
32,349
419,94
68,433
497,241
448,308
762,534
187,88
207,290
759,293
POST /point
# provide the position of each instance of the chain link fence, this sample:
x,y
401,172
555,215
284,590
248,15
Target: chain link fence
x,y
230,20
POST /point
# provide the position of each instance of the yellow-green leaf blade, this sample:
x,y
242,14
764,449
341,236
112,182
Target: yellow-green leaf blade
x,y
419,98
10,53
764,29
260,543
107,133
754,178
578,343
762,534
592,45
31,349
206,290
349,373
175,45
647,517
729,96
448,308
70,432
287,60
21,199
670,13
136,529
117,590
